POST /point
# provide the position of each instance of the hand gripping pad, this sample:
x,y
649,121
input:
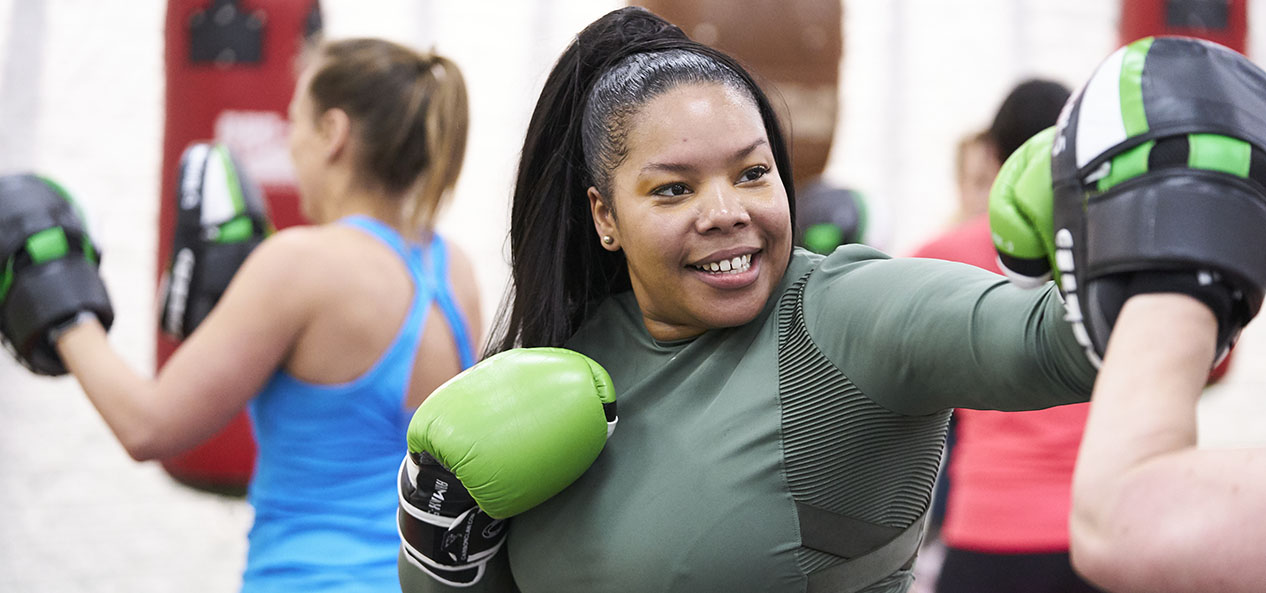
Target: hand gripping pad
x,y
221,217
49,269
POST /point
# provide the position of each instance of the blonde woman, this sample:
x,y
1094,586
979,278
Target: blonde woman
x,y
330,334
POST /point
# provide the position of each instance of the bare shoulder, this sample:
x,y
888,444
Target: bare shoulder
x,y
281,278
288,246
297,256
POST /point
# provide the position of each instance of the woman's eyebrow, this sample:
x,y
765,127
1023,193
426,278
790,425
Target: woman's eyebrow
x,y
737,155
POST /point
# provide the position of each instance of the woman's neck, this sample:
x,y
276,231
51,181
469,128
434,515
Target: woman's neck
x,y
377,205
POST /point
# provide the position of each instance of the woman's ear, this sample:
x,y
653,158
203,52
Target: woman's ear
x,y
336,129
603,220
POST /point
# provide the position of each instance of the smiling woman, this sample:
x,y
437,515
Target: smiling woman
x,y
704,221
782,414
592,111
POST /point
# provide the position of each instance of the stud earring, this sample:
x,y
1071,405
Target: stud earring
x,y
607,240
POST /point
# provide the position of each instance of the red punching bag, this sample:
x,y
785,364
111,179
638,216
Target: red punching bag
x,y
1220,21
230,73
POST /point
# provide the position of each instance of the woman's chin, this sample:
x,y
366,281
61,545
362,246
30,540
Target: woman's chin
x,y
733,312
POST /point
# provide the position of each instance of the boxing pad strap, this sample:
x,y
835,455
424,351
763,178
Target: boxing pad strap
x,y
197,279
1105,296
1227,306
442,531
1171,230
1193,219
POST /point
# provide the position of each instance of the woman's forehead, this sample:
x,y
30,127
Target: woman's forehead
x,y
711,117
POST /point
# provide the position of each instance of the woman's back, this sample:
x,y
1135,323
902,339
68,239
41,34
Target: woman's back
x,y
384,331
364,293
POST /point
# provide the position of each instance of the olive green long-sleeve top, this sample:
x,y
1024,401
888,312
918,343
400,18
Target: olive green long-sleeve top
x,y
836,396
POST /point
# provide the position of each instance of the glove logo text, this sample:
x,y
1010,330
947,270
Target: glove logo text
x,y
437,497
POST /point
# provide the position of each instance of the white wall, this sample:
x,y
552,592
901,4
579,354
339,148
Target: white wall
x,y
81,99
919,74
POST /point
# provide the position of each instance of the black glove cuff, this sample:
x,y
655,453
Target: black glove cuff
x,y
442,530
434,488
463,577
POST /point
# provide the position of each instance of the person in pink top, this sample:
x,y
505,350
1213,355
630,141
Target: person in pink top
x,y
1009,473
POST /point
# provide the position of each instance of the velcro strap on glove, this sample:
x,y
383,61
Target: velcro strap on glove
x,y
442,531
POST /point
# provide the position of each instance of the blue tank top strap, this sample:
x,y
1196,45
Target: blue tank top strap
x,y
412,254
444,298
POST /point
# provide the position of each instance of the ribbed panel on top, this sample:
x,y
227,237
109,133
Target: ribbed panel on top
x,y
842,451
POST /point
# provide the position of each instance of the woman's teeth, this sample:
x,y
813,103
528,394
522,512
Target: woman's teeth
x,y
728,266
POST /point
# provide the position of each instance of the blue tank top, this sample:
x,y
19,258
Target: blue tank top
x,y
324,488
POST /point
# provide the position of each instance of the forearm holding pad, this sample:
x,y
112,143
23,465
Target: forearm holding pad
x,y
221,217
48,269
442,531
1159,182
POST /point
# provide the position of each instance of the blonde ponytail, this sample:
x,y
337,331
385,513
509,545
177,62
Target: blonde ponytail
x,y
410,114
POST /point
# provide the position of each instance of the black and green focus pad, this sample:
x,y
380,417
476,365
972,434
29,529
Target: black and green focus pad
x,y
1159,176
221,217
49,269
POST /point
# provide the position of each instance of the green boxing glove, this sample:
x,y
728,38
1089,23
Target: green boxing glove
x,y
1021,203
496,440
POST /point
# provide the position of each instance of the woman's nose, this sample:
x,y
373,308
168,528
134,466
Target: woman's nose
x,y
722,209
